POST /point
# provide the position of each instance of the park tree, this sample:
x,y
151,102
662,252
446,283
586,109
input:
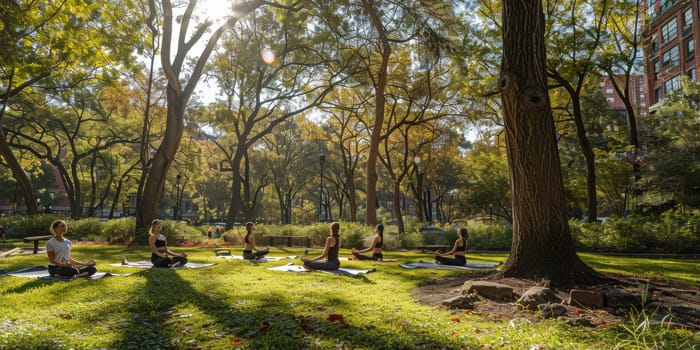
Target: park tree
x,y
265,82
573,49
52,45
72,134
346,137
672,171
487,185
289,155
183,75
542,245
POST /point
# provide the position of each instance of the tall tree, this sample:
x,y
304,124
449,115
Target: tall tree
x,y
181,85
542,244
46,44
573,46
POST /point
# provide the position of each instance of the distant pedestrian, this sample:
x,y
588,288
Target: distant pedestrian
x,y
217,233
210,232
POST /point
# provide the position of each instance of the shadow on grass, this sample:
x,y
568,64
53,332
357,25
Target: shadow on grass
x,y
158,323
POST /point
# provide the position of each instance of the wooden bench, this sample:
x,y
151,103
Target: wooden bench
x,y
303,241
432,247
36,240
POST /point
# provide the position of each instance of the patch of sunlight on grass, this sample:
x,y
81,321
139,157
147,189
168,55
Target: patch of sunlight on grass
x,y
239,304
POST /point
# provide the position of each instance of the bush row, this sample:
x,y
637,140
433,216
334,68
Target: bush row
x,y
672,232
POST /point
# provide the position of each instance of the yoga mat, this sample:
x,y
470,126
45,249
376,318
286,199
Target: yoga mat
x,y
344,271
145,264
267,258
432,265
42,272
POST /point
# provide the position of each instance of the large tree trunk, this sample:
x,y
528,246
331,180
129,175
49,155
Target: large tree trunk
x,y
155,182
19,175
542,244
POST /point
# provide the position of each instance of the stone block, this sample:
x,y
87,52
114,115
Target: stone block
x,y
586,298
489,290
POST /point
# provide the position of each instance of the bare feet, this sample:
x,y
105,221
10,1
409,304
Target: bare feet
x,y
176,264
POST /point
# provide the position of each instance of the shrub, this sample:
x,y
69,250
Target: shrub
x,y
490,237
119,230
89,229
17,226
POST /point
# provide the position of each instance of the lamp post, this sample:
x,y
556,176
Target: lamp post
x,y
176,207
321,159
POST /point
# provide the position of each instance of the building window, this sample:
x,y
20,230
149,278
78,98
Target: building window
x,y
611,99
654,43
669,31
671,57
689,49
608,91
657,95
657,68
672,84
688,20
692,74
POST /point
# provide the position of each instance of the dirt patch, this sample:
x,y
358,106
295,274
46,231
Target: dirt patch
x,y
662,298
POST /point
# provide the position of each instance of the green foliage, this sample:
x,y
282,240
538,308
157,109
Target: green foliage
x,y
119,230
674,231
89,229
490,237
23,226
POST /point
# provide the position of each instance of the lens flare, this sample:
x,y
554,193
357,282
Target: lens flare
x,y
267,56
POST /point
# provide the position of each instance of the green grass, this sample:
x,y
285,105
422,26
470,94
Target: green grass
x,y
239,304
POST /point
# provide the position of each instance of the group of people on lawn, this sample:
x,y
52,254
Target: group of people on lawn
x,y
62,264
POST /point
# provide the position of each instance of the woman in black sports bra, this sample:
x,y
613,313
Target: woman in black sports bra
x,y
458,251
160,255
375,247
330,252
250,244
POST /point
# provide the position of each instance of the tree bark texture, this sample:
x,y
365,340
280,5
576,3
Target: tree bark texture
x,y
542,245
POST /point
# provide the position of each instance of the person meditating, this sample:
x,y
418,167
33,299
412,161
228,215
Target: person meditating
x,y
250,251
160,256
330,252
375,247
61,263
458,250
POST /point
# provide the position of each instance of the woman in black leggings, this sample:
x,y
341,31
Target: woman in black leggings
x,y
160,255
250,251
458,251
330,252
61,262
375,247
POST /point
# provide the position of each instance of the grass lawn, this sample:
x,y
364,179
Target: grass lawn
x,y
239,304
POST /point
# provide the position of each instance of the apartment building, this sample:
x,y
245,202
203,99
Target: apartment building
x,y
669,40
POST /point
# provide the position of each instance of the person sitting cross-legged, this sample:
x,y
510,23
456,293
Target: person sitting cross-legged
x,y
458,250
161,255
375,247
61,263
330,252
250,251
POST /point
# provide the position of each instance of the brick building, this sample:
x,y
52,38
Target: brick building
x,y
669,40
